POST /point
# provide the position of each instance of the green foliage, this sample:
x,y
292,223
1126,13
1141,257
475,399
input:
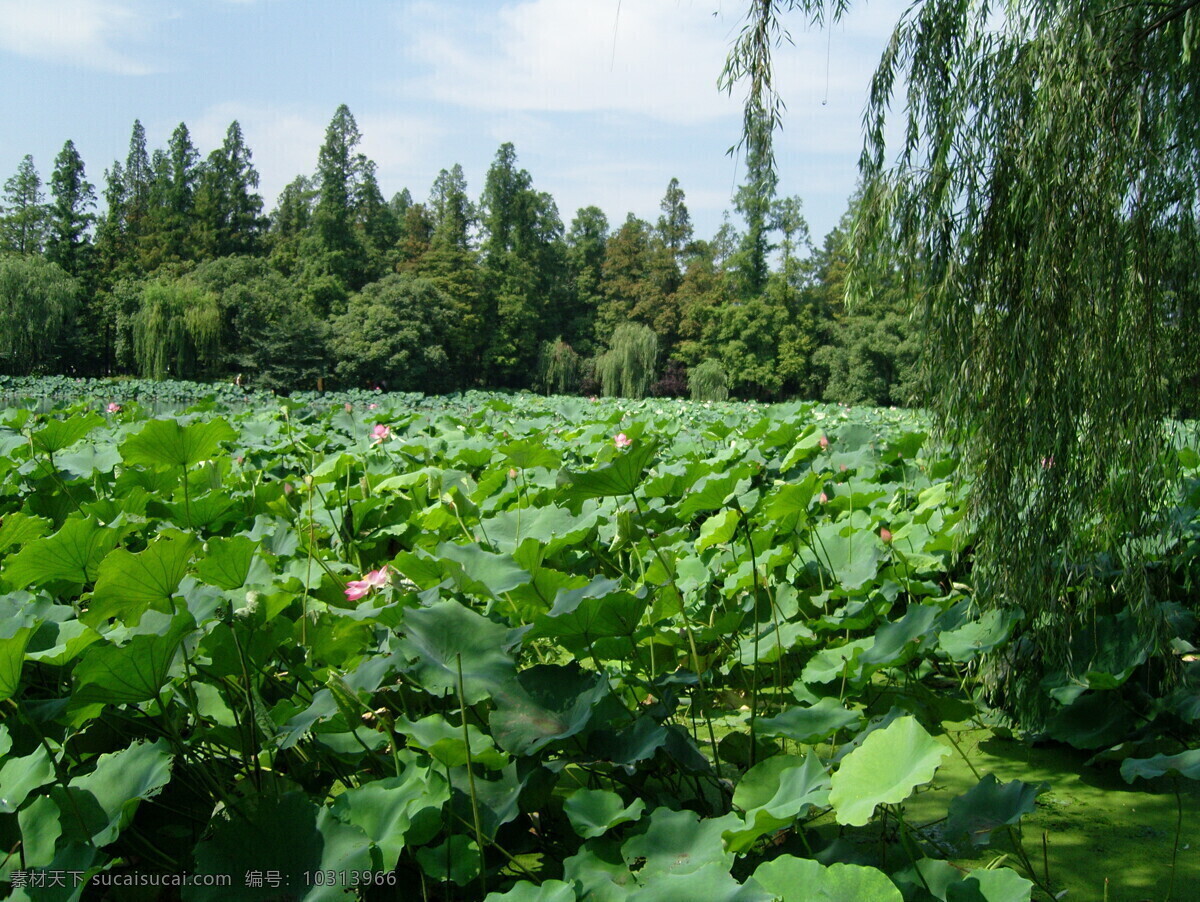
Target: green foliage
x,y
511,637
23,213
176,330
708,381
37,300
560,369
627,368
396,331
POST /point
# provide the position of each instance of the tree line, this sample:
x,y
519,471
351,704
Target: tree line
x,y
181,274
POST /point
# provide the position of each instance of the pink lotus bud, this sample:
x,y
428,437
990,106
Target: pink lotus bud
x,y
349,407
843,468
512,473
622,441
113,407
824,499
885,535
824,443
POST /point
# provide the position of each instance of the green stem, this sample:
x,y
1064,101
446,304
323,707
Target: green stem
x,y
462,701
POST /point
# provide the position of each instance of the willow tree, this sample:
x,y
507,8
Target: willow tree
x,y
626,369
176,330
1042,206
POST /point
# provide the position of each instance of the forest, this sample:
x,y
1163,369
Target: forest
x,y
180,273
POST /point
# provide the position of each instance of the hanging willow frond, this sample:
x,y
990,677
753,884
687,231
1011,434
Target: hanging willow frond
x,y
1043,208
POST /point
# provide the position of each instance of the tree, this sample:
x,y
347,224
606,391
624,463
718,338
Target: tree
x,y
1043,211
228,205
176,330
452,211
394,332
23,214
586,249
627,368
70,216
339,170
675,225
37,299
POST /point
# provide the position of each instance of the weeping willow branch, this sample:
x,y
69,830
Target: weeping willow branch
x,y
1041,206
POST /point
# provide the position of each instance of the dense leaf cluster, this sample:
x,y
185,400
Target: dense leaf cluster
x,y
537,649
181,274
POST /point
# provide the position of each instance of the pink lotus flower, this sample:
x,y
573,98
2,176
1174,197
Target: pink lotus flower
x,y
824,499
376,579
622,441
349,407
380,434
372,406
114,407
512,473
886,535
824,443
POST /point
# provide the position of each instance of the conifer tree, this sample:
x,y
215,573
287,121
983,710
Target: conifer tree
x,y
23,212
70,218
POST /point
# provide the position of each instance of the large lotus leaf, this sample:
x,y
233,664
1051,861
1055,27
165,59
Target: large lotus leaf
x,y
598,872
17,627
446,744
386,810
21,776
792,497
1091,721
497,800
620,477
853,559
232,563
288,834
711,491
19,529
792,879
456,860
553,527
106,799
979,636
885,769
73,553
718,529
811,724
990,805
40,830
593,812
164,443
773,793
548,891
711,882
631,744
88,460
549,702
132,672
892,639
448,638
831,663
949,883
62,433
679,842
1186,764
483,572
527,454
128,584
580,617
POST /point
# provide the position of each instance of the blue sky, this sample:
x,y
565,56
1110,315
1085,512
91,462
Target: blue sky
x,y
604,100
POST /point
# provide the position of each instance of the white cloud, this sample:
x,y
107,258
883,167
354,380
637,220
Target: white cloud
x,y
658,58
77,32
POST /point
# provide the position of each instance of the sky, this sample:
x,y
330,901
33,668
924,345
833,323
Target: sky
x,y
604,100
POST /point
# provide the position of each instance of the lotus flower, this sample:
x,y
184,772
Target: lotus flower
x,y
824,499
622,441
824,443
885,535
376,579
114,407
381,433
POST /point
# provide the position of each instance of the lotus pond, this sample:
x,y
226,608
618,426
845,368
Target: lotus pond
x,y
520,648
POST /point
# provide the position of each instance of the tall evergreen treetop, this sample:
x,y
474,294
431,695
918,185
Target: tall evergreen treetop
x,y
23,212
70,216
